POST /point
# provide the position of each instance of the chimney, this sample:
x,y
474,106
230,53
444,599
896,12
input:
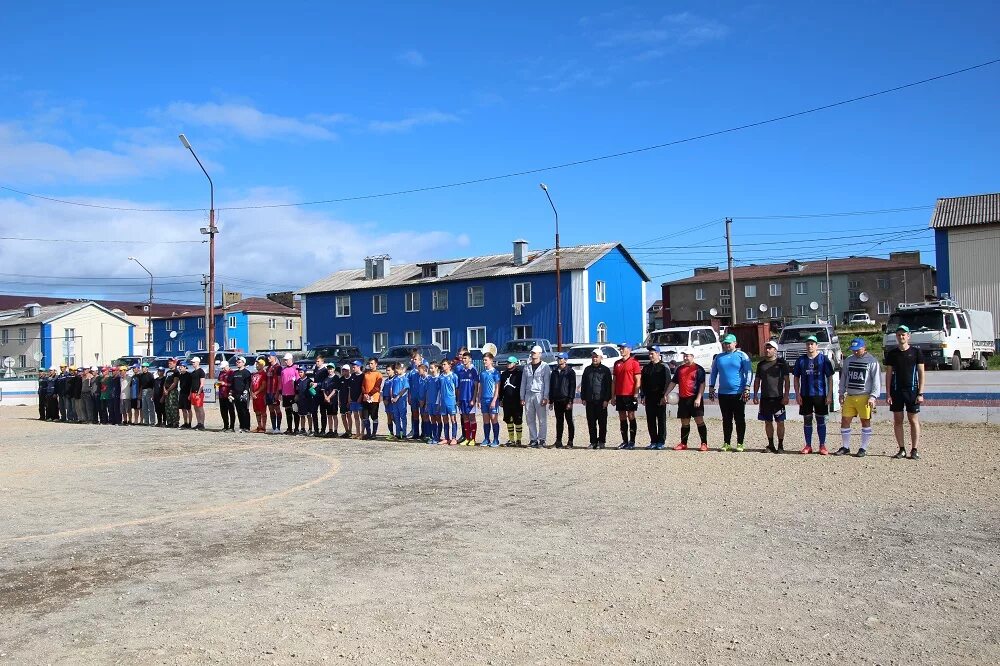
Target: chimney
x,y
282,298
907,257
32,310
377,267
706,269
520,252
231,298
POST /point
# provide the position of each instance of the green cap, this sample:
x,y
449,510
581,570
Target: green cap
x,y
729,338
145,365
512,359
903,328
812,338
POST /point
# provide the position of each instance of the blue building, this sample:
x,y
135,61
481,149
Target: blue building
x,y
250,325
476,300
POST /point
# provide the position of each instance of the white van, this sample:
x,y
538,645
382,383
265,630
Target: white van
x,y
702,339
948,335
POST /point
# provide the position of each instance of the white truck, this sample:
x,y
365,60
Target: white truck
x,y
949,335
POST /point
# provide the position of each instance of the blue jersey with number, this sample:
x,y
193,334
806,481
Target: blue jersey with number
x,y
449,388
812,374
432,390
488,380
467,380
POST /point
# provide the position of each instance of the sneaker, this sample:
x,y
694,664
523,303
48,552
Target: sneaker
x,y
806,450
914,455
569,445
725,448
541,444
842,451
532,444
593,445
630,446
781,448
739,447
651,447
861,453
661,446
681,447
493,445
823,451
900,454
623,445
770,449
558,445
703,447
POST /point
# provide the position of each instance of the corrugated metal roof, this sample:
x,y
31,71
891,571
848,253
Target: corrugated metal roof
x,y
48,313
810,268
131,308
256,305
472,268
966,211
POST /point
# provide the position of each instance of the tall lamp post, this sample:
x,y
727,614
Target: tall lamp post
x,y
545,189
210,231
149,311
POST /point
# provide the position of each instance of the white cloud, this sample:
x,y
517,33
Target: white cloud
x,y
411,121
656,39
248,121
412,58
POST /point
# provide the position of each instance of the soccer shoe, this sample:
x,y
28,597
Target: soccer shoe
x,y
703,447
900,454
806,450
661,446
861,453
725,448
739,447
629,446
651,447
914,455
842,451
681,447
623,445
823,451
493,445
770,449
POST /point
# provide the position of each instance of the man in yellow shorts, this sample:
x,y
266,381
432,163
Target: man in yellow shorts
x,y
860,386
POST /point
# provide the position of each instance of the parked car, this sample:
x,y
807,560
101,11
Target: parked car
x,y
336,354
522,350
401,354
792,343
703,340
580,353
949,335
129,361
861,319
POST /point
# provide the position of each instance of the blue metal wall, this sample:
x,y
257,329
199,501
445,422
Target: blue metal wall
x,y
624,312
941,255
46,361
190,335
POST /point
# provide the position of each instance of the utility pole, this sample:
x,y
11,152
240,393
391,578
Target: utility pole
x,y
558,286
732,281
205,282
829,318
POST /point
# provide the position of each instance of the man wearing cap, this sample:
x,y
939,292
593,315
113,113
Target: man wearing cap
x,y
226,406
813,374
535,396
104,396
627,373
198,377
147,382
562,393
596,390
135,396
158,407
74,393
43,392
354,396
184,393
272,391
654,379
239,392
343,387
60,383
731,369
85,406
95,396
860,385
770,390
510,400
904,378
689,378
320,374
289,375
171,395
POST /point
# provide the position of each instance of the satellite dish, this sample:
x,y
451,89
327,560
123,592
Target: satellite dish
x,y
814,306
713,311
8,362
490,348
762,307
38,356
215,346
863,297
173,334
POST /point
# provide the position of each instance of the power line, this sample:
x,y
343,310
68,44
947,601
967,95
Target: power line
x,y
87,240
526,172
801,216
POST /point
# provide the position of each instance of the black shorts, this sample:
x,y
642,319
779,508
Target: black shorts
x,y
271,399
184,401
814,404
332,407
904,400
687,410
626,403
370,410
287,401
771,409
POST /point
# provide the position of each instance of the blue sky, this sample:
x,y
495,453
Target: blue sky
x,y
321,102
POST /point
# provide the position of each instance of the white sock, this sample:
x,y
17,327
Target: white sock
x,y
845,434
866,436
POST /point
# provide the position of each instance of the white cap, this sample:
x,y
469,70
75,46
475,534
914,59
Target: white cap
x,y
345,367
687,351
536,349
771,343
288,356
93,368
597,352
224,364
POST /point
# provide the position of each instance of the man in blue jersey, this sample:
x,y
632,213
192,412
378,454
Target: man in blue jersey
x,y
813,374
904,377
431,403
468,398
489,401
414,380
731,369
449,390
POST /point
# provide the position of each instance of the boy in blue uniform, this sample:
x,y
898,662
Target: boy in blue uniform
x,y
813,374
400,400
431,404
418,401
449,408
387,401
354,396
413,381
489,401
468,397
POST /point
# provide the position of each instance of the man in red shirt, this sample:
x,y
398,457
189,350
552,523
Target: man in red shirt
x,y
272,392
689,378
627,373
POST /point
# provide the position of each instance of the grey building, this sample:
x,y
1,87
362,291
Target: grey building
x,y
787,290
967,244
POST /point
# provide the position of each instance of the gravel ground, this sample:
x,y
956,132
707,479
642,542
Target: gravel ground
x,y
138,545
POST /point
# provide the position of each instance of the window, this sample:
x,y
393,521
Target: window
x,y
201,323
69,344
344,339
522,292
343,306
271,345
775,312
475,296
751,314
883,307
412,301
272,323
201,344
724,291
775,289
824,285
476,336
442,338
4,336
700,315
882,284
169,346
22,336
180,346
601,291
750,291
411,338
429,271
232,322
801,288
725,301
854,284
800,310
726,310
289,324
22,361
289,344
380,304
180,324
524,332
439,299
699,294
232,344
170,325
602,332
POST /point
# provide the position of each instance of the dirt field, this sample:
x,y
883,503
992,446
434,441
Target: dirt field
x,y
138,545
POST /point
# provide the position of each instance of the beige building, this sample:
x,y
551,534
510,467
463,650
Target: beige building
x,y
258,324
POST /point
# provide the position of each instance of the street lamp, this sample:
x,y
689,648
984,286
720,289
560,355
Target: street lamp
x,y
210,231
545,189
149,311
